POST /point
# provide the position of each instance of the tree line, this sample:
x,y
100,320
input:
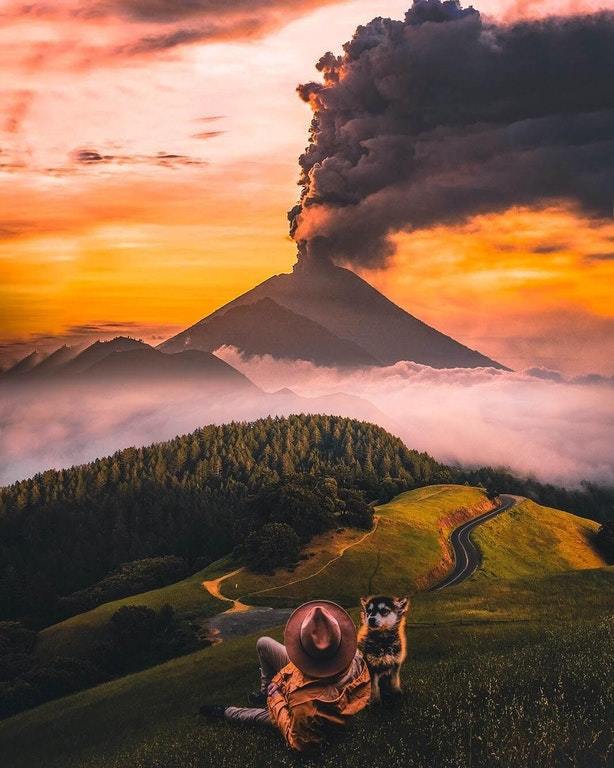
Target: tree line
x,y
252,488
63,531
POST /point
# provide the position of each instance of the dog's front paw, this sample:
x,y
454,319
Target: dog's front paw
x,y
392,698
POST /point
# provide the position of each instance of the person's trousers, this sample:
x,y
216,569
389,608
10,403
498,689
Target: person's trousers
x,y
272,657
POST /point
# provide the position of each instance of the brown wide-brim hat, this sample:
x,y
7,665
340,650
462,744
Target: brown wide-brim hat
x,y
304,655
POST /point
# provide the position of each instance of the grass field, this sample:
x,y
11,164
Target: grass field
x,y
510,668
530,685
396,557
405,545
509,542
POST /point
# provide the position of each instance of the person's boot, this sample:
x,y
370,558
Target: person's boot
x,y
212,711
257,699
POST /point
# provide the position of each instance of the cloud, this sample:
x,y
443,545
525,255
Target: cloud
x,y
207,134
557,430
113,326
133,29
15,105
155,43
42,430
80,159
527,9
443,116
545,374
550,248
538,422
600,256
594,379
166,11
88,156
588,379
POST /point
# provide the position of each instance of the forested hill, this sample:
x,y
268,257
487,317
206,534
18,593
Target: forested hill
x,y
64,530
203,495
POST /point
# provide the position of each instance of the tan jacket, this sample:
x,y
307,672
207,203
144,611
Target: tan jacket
x,y
303,707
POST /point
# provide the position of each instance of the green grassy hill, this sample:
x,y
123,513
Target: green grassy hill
x,y
531,540
406,544
148,719
405,552
511,667
75,636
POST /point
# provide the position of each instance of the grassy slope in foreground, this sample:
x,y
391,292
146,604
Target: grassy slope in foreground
x,y
484,673
397,557
489,640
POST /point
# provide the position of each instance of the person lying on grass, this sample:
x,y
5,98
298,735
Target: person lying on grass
x,y
311,685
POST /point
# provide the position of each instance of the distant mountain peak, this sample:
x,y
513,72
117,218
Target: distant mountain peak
x,y
122,341
55,360
340,303
124,361
26,363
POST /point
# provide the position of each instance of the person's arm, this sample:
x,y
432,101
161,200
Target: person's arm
x,y
297,725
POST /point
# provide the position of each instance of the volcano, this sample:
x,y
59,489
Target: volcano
x,y
353,322
266,327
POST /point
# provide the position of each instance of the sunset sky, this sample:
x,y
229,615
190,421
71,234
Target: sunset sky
x,y
148,157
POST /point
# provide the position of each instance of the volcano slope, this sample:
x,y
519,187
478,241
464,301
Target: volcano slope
x,y
510,667
336,300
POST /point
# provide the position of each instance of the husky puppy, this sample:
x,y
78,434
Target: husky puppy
x,y
381,638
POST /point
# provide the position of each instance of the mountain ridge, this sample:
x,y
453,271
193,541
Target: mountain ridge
x,y
125,360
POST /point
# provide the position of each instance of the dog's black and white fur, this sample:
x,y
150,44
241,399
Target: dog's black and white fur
x,y
381,638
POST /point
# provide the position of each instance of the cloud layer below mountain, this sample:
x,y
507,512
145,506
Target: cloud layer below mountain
x,y
536,422
54,428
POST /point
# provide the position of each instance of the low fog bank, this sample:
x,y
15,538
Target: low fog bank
x,y
537,422
534,422
55,428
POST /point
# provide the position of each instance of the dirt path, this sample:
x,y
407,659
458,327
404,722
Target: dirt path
x,y
342,551
213,588
241,619
436,492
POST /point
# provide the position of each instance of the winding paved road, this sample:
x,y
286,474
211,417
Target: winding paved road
x,y
467,557
241,619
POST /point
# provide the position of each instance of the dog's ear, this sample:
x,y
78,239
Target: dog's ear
x,y
401,604
363,609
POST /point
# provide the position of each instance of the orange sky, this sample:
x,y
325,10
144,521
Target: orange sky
x,y
143,183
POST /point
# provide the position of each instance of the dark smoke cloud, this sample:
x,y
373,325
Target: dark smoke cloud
x,y
444,115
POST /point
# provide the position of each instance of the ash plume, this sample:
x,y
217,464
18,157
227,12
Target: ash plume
x,y
446,115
